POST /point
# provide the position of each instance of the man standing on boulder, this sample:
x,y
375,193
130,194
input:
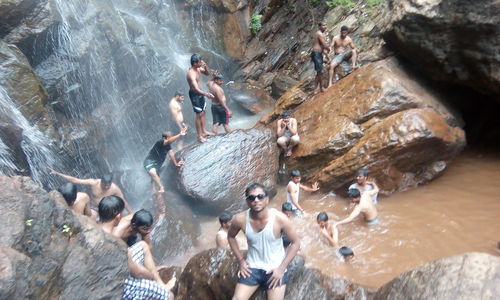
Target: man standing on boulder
x,y
320,47
197,95
220,112
339,45
266,260
287,133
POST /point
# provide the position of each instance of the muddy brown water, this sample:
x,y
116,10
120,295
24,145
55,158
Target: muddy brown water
x,y
456,213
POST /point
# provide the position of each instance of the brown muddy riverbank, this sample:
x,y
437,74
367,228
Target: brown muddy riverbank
x,y
456,213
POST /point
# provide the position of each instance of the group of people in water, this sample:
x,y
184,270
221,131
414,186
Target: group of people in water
x,y
271,238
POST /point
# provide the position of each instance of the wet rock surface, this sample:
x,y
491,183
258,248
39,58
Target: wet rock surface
x,y
49,253
378,117
466,276
456,41
12,137
217,172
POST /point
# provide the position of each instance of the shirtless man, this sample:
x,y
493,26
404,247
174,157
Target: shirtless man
x,y
331,234
78,202
99,188
225,220
220,112
363,184
197,95
110,213
362,205
266,260
320,47
339,44
135,228
288,136
292,191
175,107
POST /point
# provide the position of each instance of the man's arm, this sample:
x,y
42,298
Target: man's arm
x,y
332,44
137,270
291,250
122,227
219,93
293,126
86,210
204,68
375,189
355,212
281,129
330,236
314,187
74,180
173,138
194,86
351,44
118,192
171,154
244,270
293,196
323,42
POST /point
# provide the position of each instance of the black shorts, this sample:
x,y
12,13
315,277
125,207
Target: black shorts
x,y
259,277
317,59
150,164
219,115
198,101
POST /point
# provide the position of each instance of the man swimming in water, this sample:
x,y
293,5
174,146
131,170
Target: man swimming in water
x,y
220,112
78,202
292,191
362,205
363,184
339,45
287,133
197,95
99,188
157,155
331,234
320,47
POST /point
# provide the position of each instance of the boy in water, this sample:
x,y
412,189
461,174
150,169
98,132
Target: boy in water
x,y
292,191
363,184
331,234
78,202
362,205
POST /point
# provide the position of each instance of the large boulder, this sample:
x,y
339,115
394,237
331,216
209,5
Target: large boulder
x,y
380,117
217,172
14,160
48,253
456,41
466,276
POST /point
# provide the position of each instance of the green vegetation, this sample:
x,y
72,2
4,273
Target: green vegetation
x,y
255,23
314,3
372,3
67,229
343,3
29,222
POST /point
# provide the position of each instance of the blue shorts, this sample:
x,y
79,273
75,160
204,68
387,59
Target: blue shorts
x,y
373,222
259,277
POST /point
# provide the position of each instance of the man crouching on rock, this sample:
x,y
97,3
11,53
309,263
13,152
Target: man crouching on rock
x,y
266,260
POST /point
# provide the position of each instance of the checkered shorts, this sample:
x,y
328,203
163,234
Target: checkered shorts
x,y
140,288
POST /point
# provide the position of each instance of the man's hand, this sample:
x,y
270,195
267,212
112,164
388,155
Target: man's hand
x,y
283,125
275,279
229,114
244,270
53,172
210,95
183,130
180,163
170,284
315,186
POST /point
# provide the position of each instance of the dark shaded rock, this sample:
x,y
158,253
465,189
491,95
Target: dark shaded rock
x,y
217,172
12,137
380,117
251,98
456,41
466,276
50,253
281,83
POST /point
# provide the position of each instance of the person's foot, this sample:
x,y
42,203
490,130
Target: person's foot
x,y
160,191
208,133
323,90
288,153
355,67
316,91
201,139
329,85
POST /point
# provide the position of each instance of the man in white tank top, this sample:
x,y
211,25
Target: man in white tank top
x,y
292,191
266,260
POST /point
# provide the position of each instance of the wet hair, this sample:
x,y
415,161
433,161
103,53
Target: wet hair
x,y
142,218
107,178
195,58
225,217
346,251
287,206
110,207
219,76
322,216
362,171
166,134
321,22
295,173
286,113
178,93
68,192
344,28
255,185
354,193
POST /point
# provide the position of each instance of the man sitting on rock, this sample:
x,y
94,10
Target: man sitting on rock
x,y
267,260
99,188
288,136
78,202
362,205
157,155
363,184
339,45
225,222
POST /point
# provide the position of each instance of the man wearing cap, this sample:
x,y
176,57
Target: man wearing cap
x,y
287,133
220,111
197,95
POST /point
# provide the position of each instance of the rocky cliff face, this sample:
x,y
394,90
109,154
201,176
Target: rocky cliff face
x,y
48,253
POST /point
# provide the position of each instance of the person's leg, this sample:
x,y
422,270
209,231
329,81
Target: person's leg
x,y
156,179
203,125
227,129
354,58
294,140
282,143
277,293
243,291
331,72
215,128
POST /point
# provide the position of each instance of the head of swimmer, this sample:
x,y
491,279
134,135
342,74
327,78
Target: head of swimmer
x,y
142,222
343,31
225,220
165,136
257,196
219,79
286,115
106,181
347,253
322,219
179,96
295,176
361,176
354,195
287,209
322,26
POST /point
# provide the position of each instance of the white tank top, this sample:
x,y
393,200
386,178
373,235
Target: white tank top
x,y
288,198
265,251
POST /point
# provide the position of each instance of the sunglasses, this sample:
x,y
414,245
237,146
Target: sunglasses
x,y
252,198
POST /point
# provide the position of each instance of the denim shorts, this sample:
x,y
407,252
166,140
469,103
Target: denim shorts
x,y
259,277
